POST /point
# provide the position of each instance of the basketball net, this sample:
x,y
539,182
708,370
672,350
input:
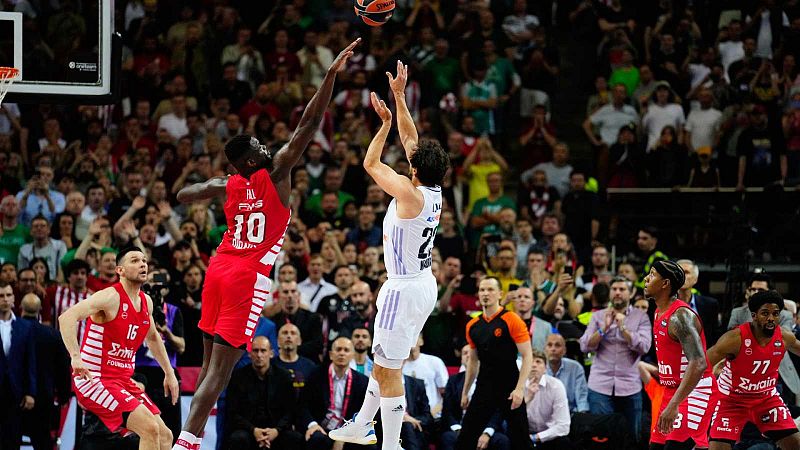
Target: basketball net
x,y
7,77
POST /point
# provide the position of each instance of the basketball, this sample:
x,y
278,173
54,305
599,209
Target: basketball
x,y
374,12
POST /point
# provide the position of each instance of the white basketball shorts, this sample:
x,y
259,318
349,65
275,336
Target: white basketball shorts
x,y
404,305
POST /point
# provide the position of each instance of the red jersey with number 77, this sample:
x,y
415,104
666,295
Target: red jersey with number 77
x,y
257,221
754,371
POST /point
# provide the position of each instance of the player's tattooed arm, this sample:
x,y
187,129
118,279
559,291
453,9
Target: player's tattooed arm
x,y
213,187
684,327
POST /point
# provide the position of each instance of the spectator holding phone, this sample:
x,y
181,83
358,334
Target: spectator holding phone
x,y
37,197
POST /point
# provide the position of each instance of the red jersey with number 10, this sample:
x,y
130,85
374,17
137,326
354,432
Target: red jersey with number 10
x,y
672,362
109,349
754,371
257,221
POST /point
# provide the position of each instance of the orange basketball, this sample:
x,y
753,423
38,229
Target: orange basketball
x,y
374,12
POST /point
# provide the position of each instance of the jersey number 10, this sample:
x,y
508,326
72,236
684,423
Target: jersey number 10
x,y
256,223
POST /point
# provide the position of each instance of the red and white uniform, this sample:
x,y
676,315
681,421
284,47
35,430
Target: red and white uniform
x,y
747,384
109,352
237,283
694,413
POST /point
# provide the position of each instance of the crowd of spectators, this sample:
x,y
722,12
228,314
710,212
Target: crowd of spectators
x,y
700,94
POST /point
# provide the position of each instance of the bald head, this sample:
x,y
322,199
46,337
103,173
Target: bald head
x,y
31,305
289,340
261,353
361,295
262,341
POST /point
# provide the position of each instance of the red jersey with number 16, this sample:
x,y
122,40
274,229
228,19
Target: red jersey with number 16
x,y
109,349
754,371
672,362
257,221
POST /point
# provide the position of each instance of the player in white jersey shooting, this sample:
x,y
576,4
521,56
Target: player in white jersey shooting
x,y
407,298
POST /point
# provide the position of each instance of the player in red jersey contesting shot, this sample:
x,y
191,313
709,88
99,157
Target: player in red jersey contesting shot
x,y
752,353
118,319
237,283
683,368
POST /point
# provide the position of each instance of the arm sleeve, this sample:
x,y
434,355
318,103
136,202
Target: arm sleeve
x,y
732,322
596,118
517,328
786,321
584,341
581,391
451,403
441,374
641,338
423,406
31,351
467,333
234,405
558,424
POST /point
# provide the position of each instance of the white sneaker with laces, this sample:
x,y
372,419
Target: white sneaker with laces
x,y
355,433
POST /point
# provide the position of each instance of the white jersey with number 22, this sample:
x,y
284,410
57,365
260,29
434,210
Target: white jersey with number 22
x,y
407,243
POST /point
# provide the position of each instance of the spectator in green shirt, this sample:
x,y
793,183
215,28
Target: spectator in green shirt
x,y
442,72
627,74
332,180
501,72
479,99
485,214
13,235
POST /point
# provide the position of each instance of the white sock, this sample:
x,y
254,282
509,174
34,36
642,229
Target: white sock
x,y
186,441
372,401
392,411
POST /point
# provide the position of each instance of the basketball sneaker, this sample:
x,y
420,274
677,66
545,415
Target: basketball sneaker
x,y
355,433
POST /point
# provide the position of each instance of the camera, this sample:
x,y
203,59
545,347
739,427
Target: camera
x,y
154,290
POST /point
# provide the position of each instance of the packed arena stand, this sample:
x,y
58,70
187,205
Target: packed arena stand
x,y
588,141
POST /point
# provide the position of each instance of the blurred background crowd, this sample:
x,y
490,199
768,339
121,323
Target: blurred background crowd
x,y
588,140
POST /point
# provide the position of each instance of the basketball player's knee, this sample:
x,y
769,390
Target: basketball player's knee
x,y
385,375
150,430
165,436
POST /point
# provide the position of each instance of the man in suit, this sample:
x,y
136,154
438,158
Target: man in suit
x,y
17,369
319,414
260,404
52,375
452,414
309,324
418,420
760,282
707,308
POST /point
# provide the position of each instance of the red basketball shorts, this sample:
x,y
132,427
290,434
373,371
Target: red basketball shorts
x,y
694,415
233,297
109,399
766,413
